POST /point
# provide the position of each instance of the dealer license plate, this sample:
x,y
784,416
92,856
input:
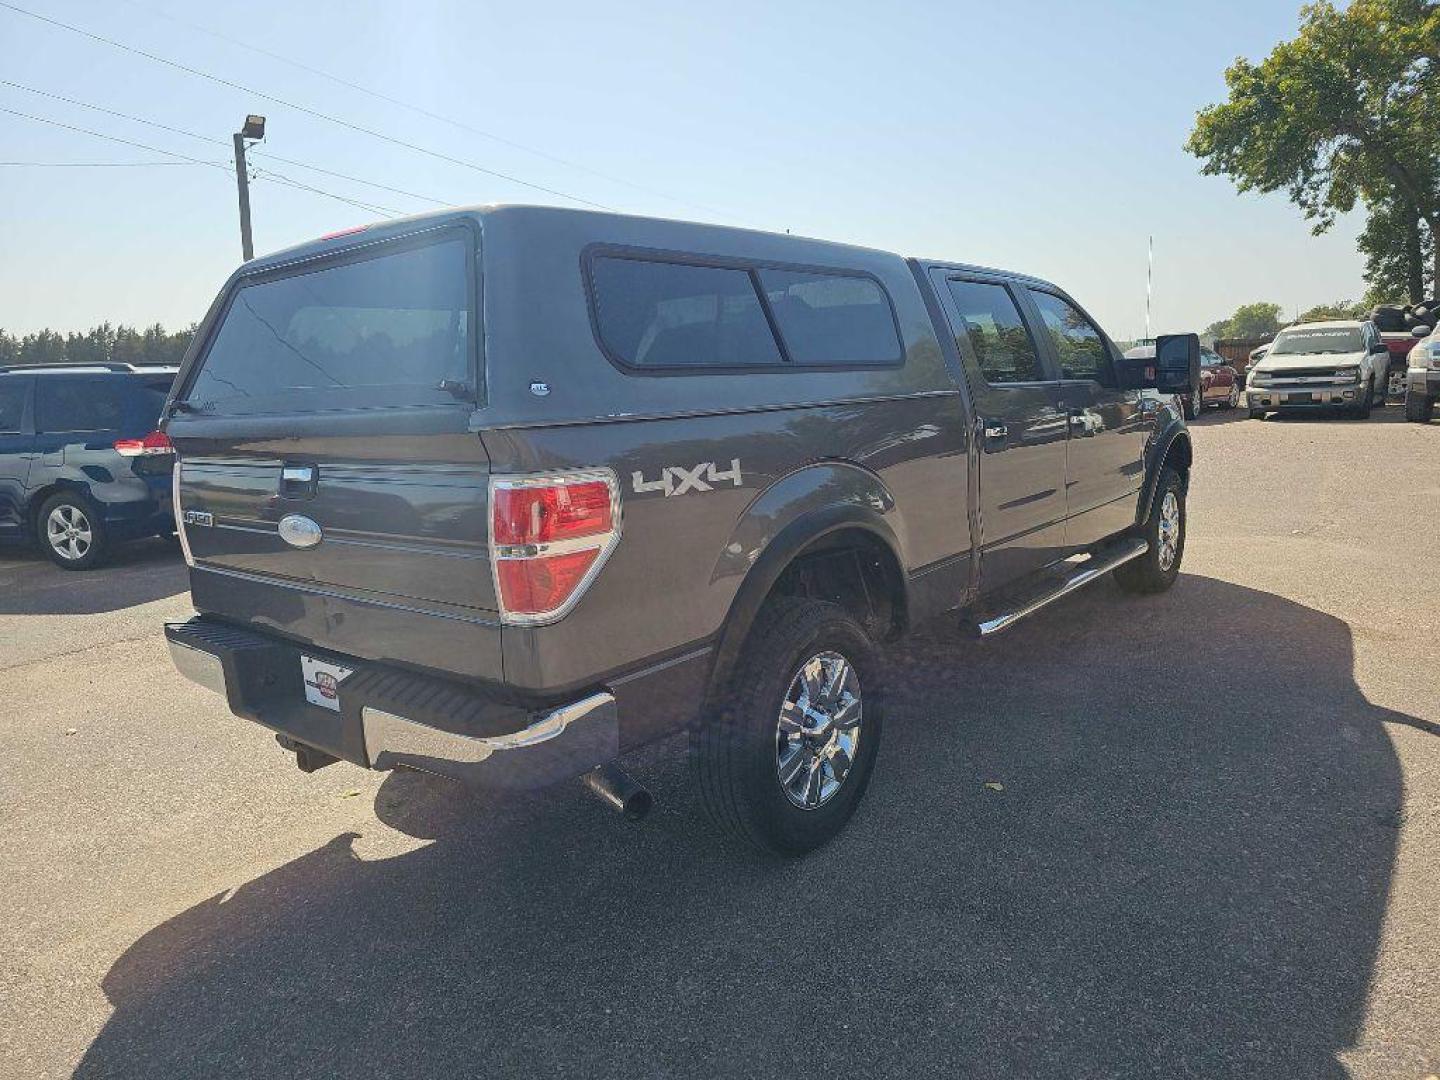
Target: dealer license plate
x,y
322,681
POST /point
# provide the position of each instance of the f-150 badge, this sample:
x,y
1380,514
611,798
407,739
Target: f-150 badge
x,y
677,480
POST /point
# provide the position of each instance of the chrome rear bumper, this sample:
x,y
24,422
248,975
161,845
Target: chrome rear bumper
x,y
388,718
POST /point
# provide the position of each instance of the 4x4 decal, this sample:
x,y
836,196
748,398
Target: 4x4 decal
x,y
677,480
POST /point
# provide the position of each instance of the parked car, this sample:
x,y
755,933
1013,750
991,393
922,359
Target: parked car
x,y
1219,383
83,465
656,476
1422,376
1342,364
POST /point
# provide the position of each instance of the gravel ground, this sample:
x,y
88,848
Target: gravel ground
x,y
1215,850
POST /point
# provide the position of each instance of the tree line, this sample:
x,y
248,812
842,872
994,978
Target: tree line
x,y
1345,115
99,344
1262,319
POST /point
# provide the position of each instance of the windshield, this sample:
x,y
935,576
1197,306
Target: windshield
x,y
1342,339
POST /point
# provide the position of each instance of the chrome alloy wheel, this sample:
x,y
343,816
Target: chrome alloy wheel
x,y
1234,398
1197,403
1169,530
68,530
818,732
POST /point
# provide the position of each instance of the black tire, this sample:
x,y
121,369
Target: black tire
x,y
1192,404
1148,574
1418,408
1257,414
1232,399
738,747
76,538
1361,409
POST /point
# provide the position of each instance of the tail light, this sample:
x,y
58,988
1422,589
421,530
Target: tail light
x,y
549,536
157,442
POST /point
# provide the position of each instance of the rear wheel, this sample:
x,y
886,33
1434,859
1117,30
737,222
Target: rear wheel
x,y
1418,408
71,532
1233,399
1157,569
784,757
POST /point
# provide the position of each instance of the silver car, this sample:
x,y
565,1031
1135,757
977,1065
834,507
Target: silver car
x,y
1321,365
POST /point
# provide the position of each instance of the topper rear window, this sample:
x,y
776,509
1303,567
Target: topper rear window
x,y
392,328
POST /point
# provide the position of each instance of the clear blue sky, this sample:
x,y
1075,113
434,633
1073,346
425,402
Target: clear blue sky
x,y
1043,137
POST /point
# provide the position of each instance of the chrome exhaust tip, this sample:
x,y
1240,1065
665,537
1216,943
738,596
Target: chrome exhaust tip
x,y
619,791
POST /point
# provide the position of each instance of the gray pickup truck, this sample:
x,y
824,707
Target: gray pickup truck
x,y
504,493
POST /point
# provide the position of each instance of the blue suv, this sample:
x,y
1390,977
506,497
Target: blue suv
x,y
82,465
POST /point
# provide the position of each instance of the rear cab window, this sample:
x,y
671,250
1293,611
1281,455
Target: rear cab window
x,y
652,312
392,326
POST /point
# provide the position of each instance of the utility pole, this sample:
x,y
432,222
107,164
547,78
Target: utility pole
x,y
252,131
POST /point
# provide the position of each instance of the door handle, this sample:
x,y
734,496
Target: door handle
x,y
996,431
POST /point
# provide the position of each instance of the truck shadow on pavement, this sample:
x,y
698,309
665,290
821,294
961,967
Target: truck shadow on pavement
x,y
136,573
1178,870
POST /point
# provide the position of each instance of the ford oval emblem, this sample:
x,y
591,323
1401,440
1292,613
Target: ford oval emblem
x,y
299,531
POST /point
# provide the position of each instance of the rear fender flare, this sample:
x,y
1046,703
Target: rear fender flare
x,y
783,521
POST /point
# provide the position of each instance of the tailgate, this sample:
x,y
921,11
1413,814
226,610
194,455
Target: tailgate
x,y
382,526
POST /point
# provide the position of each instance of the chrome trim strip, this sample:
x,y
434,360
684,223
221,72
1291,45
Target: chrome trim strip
x,y
990,627
389,734
199,666
265,579
179,517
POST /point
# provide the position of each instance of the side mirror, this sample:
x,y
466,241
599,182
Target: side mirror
x,y
1420,331
1177,363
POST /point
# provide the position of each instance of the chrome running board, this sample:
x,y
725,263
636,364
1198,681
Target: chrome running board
x,y
1098,565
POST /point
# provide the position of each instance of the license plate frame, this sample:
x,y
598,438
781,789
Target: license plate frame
x,y
322,680
1300,399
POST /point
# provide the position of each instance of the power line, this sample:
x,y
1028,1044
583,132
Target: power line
x,y
87,164
302,108
208,139
272,176
420,110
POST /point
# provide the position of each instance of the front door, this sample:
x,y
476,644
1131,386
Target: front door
x,y
1022,428
15,451
1105,454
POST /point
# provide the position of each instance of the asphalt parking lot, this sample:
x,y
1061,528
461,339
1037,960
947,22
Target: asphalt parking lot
x,y
1214,851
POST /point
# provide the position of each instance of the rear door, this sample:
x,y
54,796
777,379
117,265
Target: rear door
x,y
15,450
78,417
337,392
1105,453
1022,428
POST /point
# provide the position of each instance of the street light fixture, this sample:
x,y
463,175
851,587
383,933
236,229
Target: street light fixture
x,y
252,130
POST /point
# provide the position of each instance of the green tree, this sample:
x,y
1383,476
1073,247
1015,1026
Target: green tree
x,y
1345,112
1399,249
1340,309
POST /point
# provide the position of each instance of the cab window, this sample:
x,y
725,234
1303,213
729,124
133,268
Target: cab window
x,y
1079,346
996,334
